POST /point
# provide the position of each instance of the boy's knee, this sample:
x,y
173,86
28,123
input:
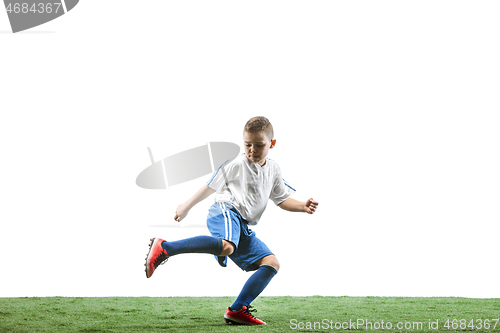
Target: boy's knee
x,y
270,260
227,248
276,264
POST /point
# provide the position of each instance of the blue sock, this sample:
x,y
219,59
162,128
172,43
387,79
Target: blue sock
x,y
198,244
254,286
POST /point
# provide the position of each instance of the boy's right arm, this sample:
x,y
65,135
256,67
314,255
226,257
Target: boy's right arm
x,y
183,209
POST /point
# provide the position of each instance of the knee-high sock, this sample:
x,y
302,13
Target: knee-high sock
x,y
198,244
254,286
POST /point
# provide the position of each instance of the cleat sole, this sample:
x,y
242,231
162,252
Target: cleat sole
x,y
147,256
164,260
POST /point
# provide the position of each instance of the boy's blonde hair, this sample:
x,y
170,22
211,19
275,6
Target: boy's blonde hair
x,y
260,124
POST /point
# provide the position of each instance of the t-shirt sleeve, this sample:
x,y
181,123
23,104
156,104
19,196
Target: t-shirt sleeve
x,y
281,190
222,176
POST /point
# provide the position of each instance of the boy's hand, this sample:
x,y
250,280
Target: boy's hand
x,y
310,206
293,205
181,212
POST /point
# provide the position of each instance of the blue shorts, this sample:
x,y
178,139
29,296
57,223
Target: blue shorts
x,y
225,222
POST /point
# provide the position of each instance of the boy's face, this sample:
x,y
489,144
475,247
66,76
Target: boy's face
x,y
257,146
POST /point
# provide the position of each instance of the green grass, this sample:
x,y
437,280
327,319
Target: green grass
x,y
205,314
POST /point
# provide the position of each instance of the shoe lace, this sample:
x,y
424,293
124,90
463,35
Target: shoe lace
x,y
249,311
162,259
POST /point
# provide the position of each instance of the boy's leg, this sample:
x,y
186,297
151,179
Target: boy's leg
x,y
160,250
198,244
222,223
251,255
268,268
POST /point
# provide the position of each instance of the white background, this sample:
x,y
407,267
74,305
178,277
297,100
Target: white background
x,y
386,112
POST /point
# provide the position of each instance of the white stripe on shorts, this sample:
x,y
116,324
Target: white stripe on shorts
x,y
225,221
229,224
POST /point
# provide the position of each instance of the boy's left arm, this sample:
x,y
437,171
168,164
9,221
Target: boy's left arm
x,y
293,205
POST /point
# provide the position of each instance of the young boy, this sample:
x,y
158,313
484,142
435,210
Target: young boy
x,y
244,186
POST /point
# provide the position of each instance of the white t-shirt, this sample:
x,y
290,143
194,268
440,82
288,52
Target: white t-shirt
x,y
248,187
